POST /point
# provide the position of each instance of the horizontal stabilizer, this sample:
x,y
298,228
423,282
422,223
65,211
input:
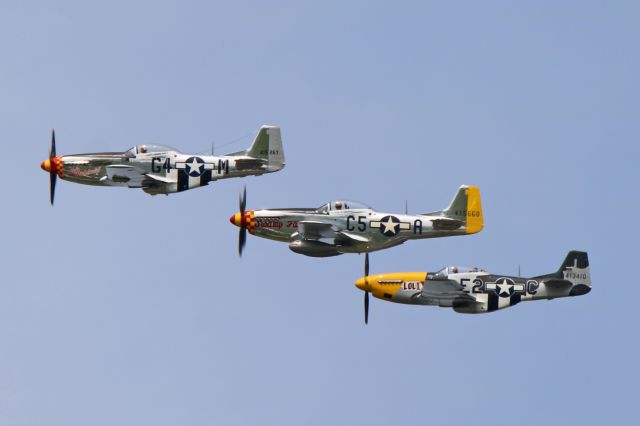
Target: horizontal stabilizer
x,y
559,284
447,224
249,163
574,270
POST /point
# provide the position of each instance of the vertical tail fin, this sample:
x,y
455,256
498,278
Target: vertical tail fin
x,y
575,269
575,259
466,207
268,146
573,272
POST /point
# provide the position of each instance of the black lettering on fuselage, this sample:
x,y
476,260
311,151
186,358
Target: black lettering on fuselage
x,y
417,226
362,225
350,227
156,168
223,167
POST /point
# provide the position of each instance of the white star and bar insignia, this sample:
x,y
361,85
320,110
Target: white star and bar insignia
x,y
389,225
505,287
194,166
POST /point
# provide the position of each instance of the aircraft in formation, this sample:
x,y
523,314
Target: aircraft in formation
x,y
158,169
473,290
346,226
332,229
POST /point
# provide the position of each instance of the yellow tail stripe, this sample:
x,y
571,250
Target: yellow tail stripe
x,y
475,221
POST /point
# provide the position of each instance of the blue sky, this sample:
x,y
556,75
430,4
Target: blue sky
x,y
121,308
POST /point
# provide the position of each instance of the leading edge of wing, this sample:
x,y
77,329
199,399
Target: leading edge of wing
x,y
312,230
133,176
445,290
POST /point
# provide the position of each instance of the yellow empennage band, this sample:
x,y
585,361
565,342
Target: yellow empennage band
x,y
475,221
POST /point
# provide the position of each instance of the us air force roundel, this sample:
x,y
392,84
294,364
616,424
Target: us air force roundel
x,y
505,287
194,166
389,225
193,172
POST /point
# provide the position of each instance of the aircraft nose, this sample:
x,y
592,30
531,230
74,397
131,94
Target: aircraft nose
x,y
236,219
53,165
361,284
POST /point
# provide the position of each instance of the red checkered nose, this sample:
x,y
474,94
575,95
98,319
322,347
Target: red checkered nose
x,y
53,165
246,220
243,220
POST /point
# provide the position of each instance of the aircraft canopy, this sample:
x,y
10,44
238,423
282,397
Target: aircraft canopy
x,y
454,269
342,205
147,148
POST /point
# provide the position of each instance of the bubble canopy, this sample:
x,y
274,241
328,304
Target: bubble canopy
x,y
146,148
454,269
338,205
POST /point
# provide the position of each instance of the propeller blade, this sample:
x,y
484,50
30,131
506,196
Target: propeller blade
x,y
242,240
52,186
242,236
366,293
366,265
243,200
366,307
52,152
52,174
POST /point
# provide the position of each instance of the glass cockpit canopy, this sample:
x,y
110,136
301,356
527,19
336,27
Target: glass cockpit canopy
x,y
145,148
339,205
454,269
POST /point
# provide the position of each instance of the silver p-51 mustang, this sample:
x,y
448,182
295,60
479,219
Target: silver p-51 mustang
x,y
158,169
472,290
349,227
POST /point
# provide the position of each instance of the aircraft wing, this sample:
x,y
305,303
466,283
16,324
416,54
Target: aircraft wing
x,y
313,230
352,238
161,179
444,293
133,177
126,175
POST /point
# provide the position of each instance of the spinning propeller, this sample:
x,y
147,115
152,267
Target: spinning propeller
x,y
51,165
242,236
243,220
366,284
